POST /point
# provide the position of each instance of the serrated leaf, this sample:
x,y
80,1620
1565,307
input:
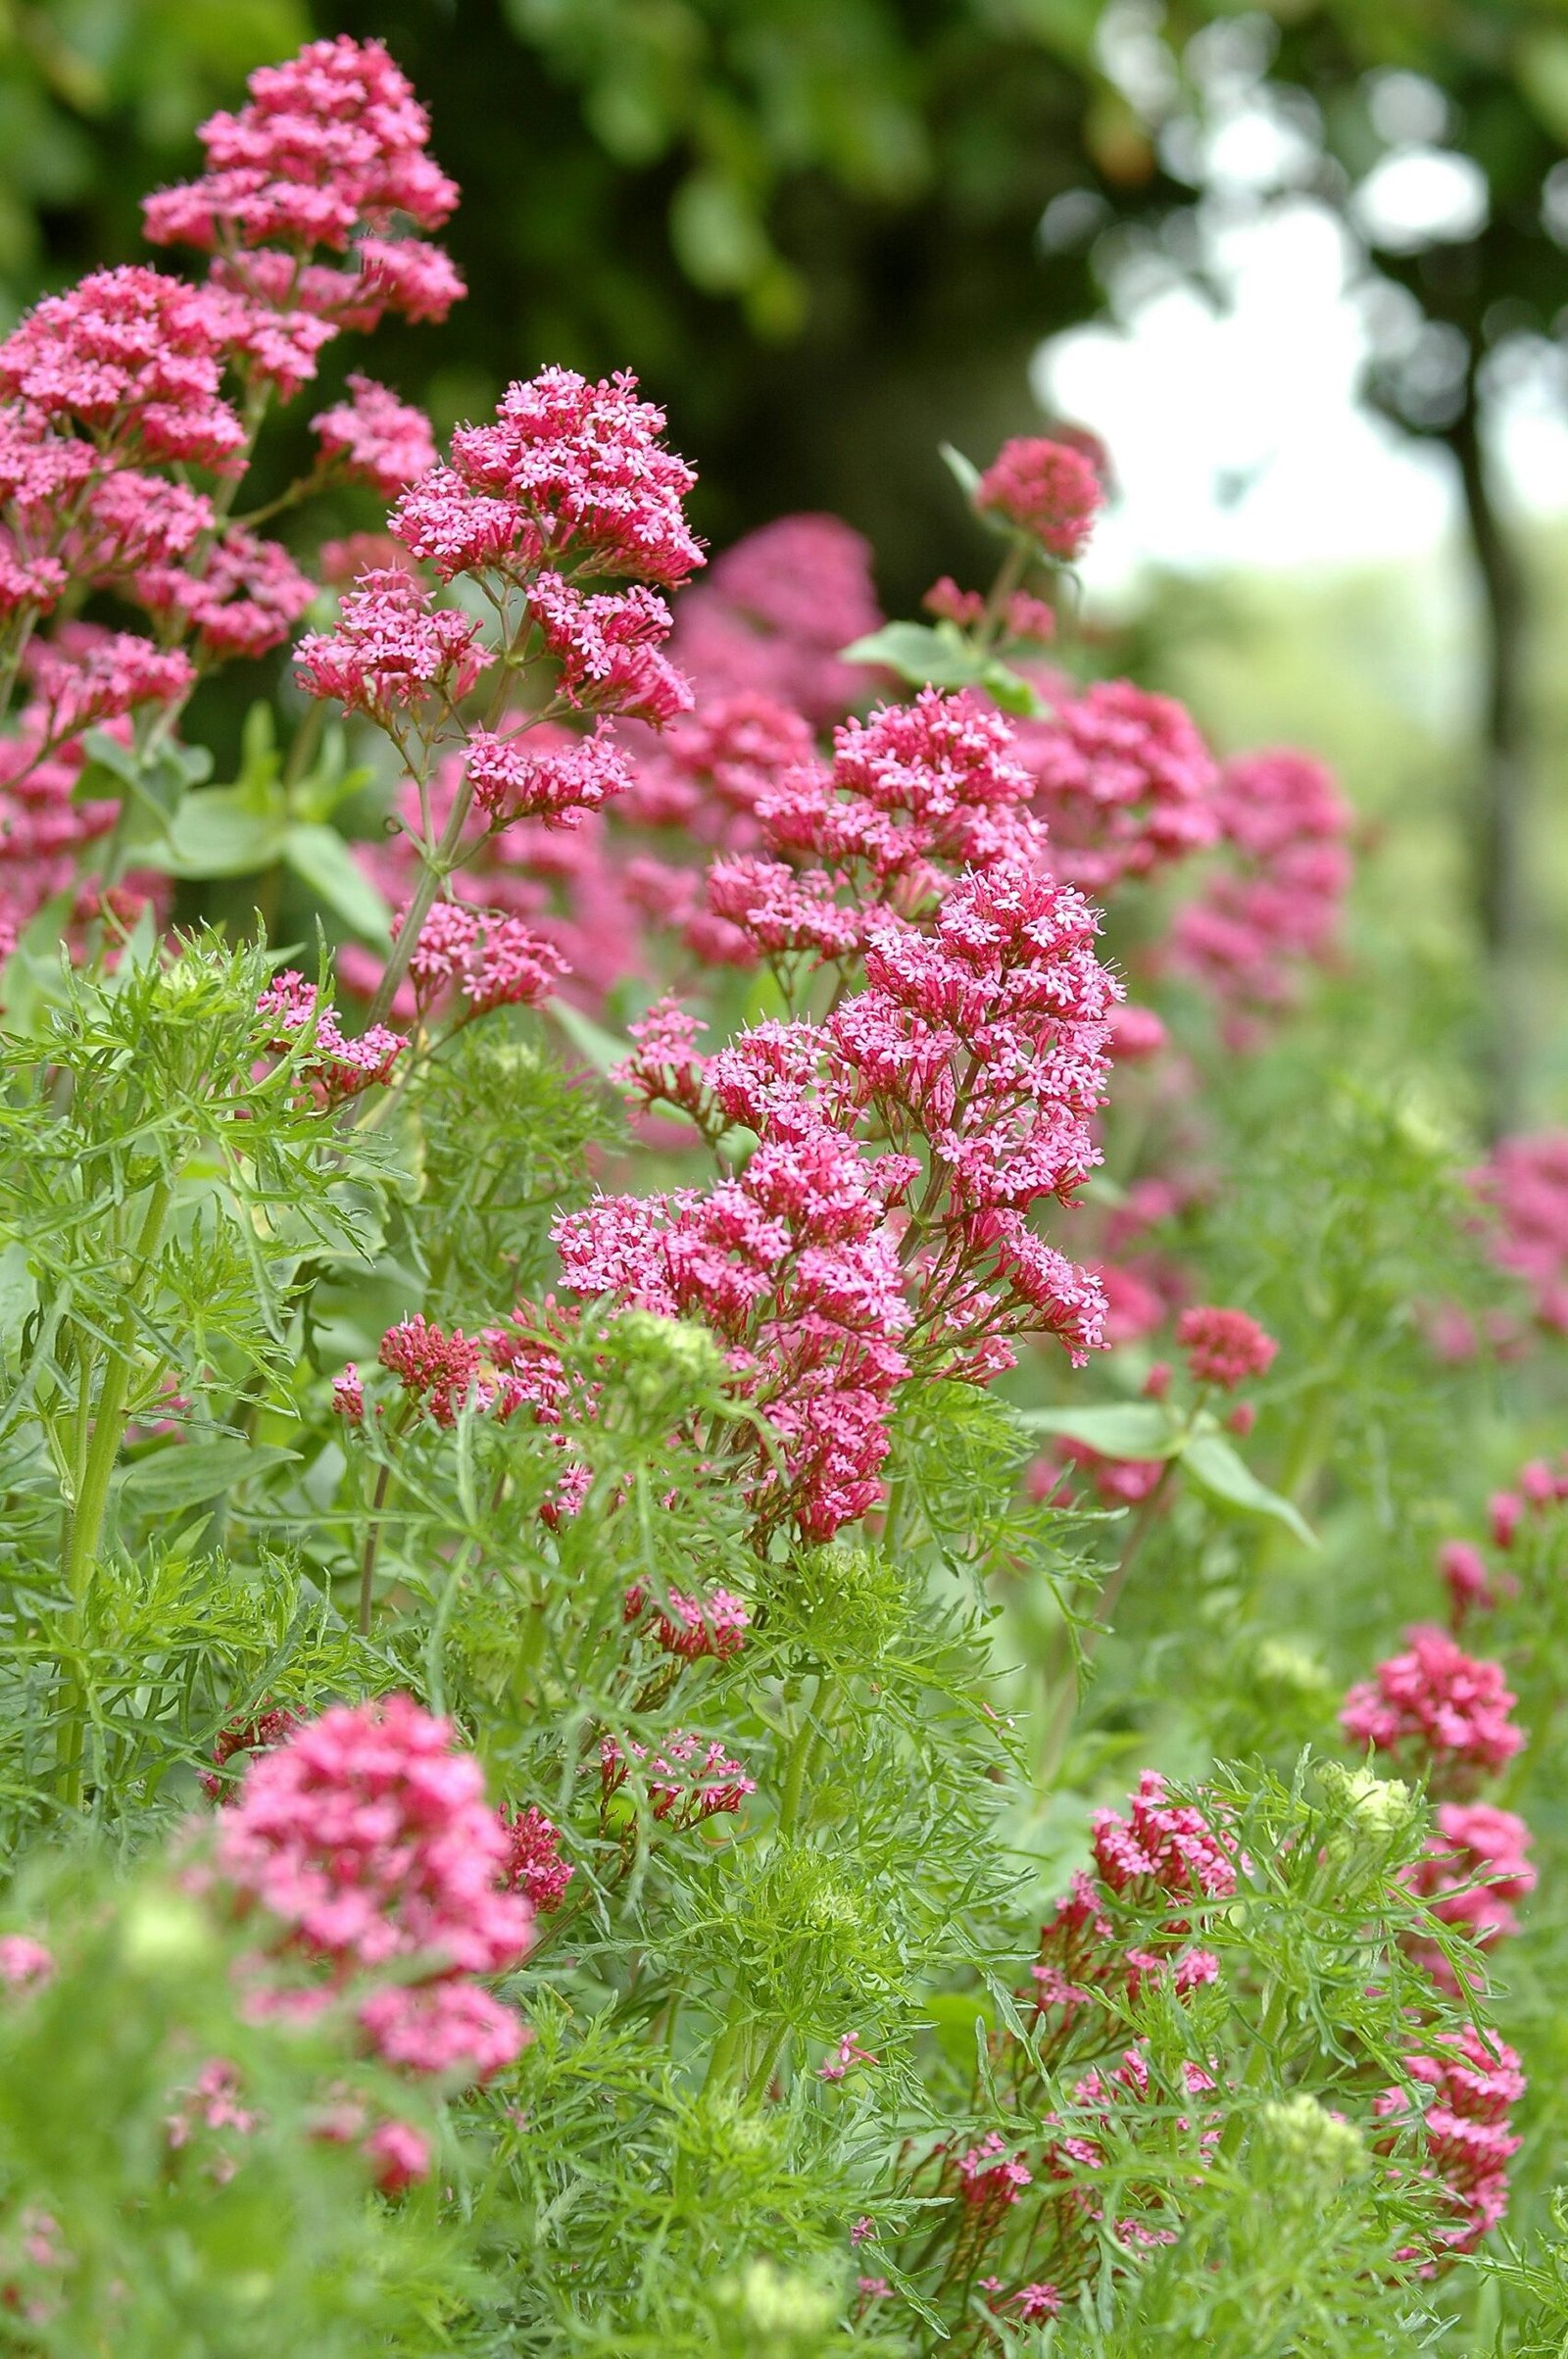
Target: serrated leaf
x,y
320,859
1129,1428
188,1473
1216,1469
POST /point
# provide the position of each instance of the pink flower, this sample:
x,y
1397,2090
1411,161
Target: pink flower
x,y
1463,2134
932,780
605,649
533,1864
329,141
774,612
23,1962
991,2180
849,2056
1224,1347
366,1841
1165,1844
1472,1872
1122,781
374,438
544,774
691,1778
134,358
347,1396
337,1066
1274,907
488,960
1446,1710
392,649
398,2154
694,1627
1047,489
108,679
245,600
586,465
1469,1584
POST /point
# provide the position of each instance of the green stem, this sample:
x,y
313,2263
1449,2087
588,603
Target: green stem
x,y
109,1416
435,874
372,1542
84,1532
801,1753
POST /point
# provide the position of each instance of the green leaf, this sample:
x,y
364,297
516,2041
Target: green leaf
x,y
590,1040
939,658
222,833
1010,690
1216,1469
1132,1429
963,470
322,859
188,1473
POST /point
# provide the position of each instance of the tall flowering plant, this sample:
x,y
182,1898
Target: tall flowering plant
x,y
600,1481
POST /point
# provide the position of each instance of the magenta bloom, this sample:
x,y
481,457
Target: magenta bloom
x,y
1437,1707
1473,1871
1169,1846
374,438
1464,2134
133,358
568,473
1122,780
1224,1347
544,774
486,958
337,1066
774,614
391,648
1524,1186
1047,489
328,142
533,1863
366,1841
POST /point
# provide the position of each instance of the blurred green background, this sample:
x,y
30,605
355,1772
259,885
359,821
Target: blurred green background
x,y
831,234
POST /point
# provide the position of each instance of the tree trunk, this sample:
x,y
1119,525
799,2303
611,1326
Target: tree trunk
x,y
1499,832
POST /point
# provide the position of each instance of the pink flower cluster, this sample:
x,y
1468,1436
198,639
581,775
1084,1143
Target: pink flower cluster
x,y
1161,1851
975,1056
392,647
374,438
1464,2135
774,614
1437,1709
918,787
1048,490
1273,908
1224,1347
1473,1871
335,1067
694,1627
1524,1187
1122,781
361,1845
571,472
689,1779
481,959
329,151
532,1864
